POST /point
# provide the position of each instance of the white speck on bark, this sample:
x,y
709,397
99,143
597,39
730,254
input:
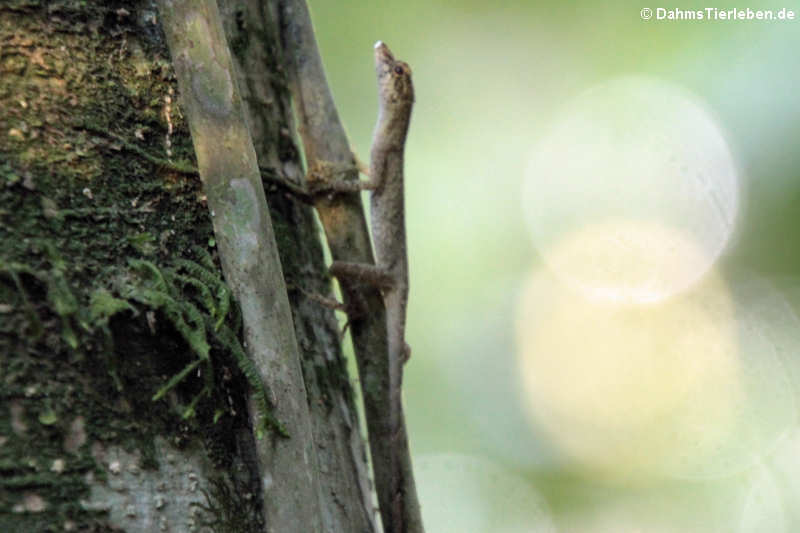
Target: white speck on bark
x,y
136,499
58,466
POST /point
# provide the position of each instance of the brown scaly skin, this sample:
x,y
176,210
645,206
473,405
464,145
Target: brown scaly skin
x,y
395,98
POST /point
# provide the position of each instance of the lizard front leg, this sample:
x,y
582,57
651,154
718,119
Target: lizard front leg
x,y
326,177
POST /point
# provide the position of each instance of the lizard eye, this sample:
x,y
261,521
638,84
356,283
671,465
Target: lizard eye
x,y
398,70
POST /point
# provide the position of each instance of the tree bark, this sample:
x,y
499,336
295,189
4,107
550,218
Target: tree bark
x,y
252,31
111,291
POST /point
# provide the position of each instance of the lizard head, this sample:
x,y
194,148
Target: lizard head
x,y
394,77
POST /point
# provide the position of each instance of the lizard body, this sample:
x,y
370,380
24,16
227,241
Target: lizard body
x,y
395,99
394,480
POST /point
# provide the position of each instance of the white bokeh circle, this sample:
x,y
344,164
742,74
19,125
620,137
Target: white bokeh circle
x,y
699,386
631,152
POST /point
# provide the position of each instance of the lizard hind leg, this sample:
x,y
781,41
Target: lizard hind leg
x,y
363,272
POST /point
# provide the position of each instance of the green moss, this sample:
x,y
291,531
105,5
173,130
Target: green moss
x,y
102,306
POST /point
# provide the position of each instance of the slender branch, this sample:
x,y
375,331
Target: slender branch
x,y
176,166
343,219
267,174
232,183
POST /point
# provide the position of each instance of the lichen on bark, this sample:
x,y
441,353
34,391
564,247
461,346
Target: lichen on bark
x,y
85,90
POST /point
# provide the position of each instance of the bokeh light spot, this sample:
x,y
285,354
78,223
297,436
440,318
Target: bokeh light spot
x,y
699,386
627,389
631,150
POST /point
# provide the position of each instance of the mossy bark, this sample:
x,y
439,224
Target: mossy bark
x,y
251,27
96,171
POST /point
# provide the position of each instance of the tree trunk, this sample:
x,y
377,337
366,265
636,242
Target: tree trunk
x,y
111,291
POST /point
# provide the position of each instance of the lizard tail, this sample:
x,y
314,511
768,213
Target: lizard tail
x,y
398,349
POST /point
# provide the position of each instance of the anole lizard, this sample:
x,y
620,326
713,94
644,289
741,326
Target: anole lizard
x,y
396,99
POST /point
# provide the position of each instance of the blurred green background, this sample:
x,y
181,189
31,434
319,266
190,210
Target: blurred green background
x,y
489,78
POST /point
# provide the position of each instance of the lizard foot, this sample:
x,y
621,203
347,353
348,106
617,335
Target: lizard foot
x,y
406,353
